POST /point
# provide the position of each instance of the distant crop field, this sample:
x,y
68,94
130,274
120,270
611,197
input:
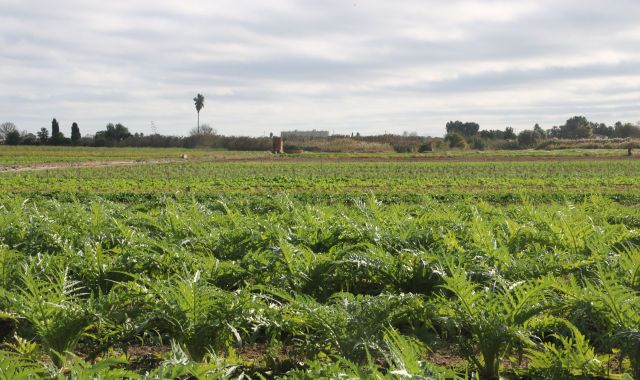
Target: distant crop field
x,y
27,155
544,179
381,266
31,155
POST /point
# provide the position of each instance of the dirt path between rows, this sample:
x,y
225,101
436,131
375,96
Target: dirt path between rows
x,y
78,165
303,159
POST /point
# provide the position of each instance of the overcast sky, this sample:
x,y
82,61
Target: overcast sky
x,y
344,66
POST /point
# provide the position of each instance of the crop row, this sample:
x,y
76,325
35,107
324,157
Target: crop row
x,y
384,178
326,290
24,155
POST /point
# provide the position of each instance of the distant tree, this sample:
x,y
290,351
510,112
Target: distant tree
x,y
541,132
13,138
27,138
99,139
578,127
466,129
554,132
493,134
199,102
426,147
57,137
206,137
455,140
55,129
43,135
509,134
602,129
205,129
75,132
6,128
113,134
529,138
626,130
478,143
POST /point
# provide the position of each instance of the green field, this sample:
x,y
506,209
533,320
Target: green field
x,y
228,264
29,155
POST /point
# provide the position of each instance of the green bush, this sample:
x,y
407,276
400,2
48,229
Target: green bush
x,y
455,140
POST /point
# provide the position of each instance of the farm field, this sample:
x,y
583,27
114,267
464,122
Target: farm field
x,y
248,265
20,156
24,156
409,181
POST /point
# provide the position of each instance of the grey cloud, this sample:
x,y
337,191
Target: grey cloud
x,y
495,80
373,65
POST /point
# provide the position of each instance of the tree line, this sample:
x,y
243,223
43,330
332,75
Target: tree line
x,y
118,135
459,135
468,134
10,135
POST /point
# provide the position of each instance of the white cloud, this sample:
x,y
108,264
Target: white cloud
x,y
368,66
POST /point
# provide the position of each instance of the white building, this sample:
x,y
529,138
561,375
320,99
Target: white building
x,y
304,134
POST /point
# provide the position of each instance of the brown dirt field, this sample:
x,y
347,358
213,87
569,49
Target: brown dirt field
x,y
146,357
76,165
445,358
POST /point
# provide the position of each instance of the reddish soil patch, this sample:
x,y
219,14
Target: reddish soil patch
x,y
445,358
76,165
260,351
146,357
254,352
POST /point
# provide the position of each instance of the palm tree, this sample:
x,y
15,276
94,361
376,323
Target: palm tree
x,y
199,100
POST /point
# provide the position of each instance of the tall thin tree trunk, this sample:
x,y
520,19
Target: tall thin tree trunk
x,y
198,122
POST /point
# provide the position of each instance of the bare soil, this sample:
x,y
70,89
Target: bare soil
x,y
77,165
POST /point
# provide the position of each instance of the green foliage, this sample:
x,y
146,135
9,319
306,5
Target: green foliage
x,y
544,180
76,368
180,365
200,316
529,138
402,356
578,127
55,310
489,320
455,140
621,306
55,129
112,135
349,325
466,129
478,143
13,138
15,367
573,357
54,307
232,278
624,130
75,132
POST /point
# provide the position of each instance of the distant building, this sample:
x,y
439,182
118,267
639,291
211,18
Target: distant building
x,y
304,134
278,145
